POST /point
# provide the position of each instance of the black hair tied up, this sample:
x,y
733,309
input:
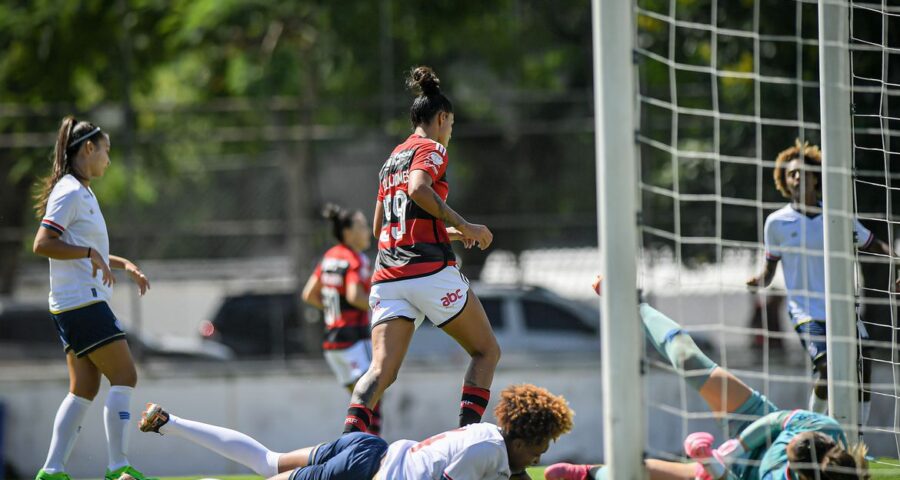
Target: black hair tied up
x,y
426,85
70,138
340,219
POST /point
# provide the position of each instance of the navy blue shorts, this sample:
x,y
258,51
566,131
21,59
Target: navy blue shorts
x,y
354,456
812,337
87,328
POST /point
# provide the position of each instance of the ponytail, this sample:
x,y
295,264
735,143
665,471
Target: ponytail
x,y
69,140
426,85
340,218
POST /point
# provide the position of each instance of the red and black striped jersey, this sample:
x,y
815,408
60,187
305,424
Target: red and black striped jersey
x,y
345,324
412,242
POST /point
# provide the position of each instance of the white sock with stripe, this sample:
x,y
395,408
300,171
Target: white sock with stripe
x,y
228,443
117,420
66,427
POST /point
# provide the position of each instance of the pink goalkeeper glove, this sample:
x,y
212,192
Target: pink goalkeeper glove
x,y
712,464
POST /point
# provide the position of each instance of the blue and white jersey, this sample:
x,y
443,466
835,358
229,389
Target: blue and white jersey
x,y
73,212
799,242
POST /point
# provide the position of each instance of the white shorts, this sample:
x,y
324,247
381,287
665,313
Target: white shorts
x,y
440,297
348,364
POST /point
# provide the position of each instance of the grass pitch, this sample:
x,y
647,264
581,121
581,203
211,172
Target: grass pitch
x,y
884,469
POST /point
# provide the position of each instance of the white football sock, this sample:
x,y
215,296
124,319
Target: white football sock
x,y
865,408
817,404
231,444
66,427
117,420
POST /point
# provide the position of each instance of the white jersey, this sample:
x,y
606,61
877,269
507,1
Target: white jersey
x,y
474,452
73,212
799,242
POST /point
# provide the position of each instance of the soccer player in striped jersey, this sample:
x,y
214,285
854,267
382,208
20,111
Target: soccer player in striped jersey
x,y
795,236
768,443
73,236
528,419
340,287
415,275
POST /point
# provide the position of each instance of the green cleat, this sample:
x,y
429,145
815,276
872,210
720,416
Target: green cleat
x,y
42,475
127,473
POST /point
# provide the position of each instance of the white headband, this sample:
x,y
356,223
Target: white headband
x,y
84,137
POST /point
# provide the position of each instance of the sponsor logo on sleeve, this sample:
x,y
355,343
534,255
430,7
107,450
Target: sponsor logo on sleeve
x,y
434,161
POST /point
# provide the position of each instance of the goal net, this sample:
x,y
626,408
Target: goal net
x,y
721,88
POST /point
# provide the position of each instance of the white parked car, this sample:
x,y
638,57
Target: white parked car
x,y
525,319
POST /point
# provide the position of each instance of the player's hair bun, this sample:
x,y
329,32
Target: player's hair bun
x,y
423,81
340,219
331,211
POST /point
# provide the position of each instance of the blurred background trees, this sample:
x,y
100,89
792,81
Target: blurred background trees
x,y
233,121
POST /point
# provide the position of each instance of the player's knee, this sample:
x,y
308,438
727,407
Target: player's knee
x,y
821,391
87,392
488,353
821,388
126,377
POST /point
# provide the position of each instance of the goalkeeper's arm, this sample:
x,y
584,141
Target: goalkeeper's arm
x,y
764,430
717,464
757,434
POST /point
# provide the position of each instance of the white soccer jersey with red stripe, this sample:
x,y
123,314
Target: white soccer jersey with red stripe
x,y
474,452
73,212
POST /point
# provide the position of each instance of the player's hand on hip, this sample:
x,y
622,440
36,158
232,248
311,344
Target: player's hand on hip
x,y
598,285
479,233
455,234
138,277
99,264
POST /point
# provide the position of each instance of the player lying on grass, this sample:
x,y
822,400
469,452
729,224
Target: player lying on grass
x,y
769,443
528,418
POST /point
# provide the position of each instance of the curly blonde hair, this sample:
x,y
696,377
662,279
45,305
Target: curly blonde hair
x,y
532,413
806,153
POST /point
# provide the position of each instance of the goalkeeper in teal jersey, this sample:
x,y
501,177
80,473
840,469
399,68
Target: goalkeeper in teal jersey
x,y
768,443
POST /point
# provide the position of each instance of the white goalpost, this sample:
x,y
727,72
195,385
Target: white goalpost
x,y
837,154
621,333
